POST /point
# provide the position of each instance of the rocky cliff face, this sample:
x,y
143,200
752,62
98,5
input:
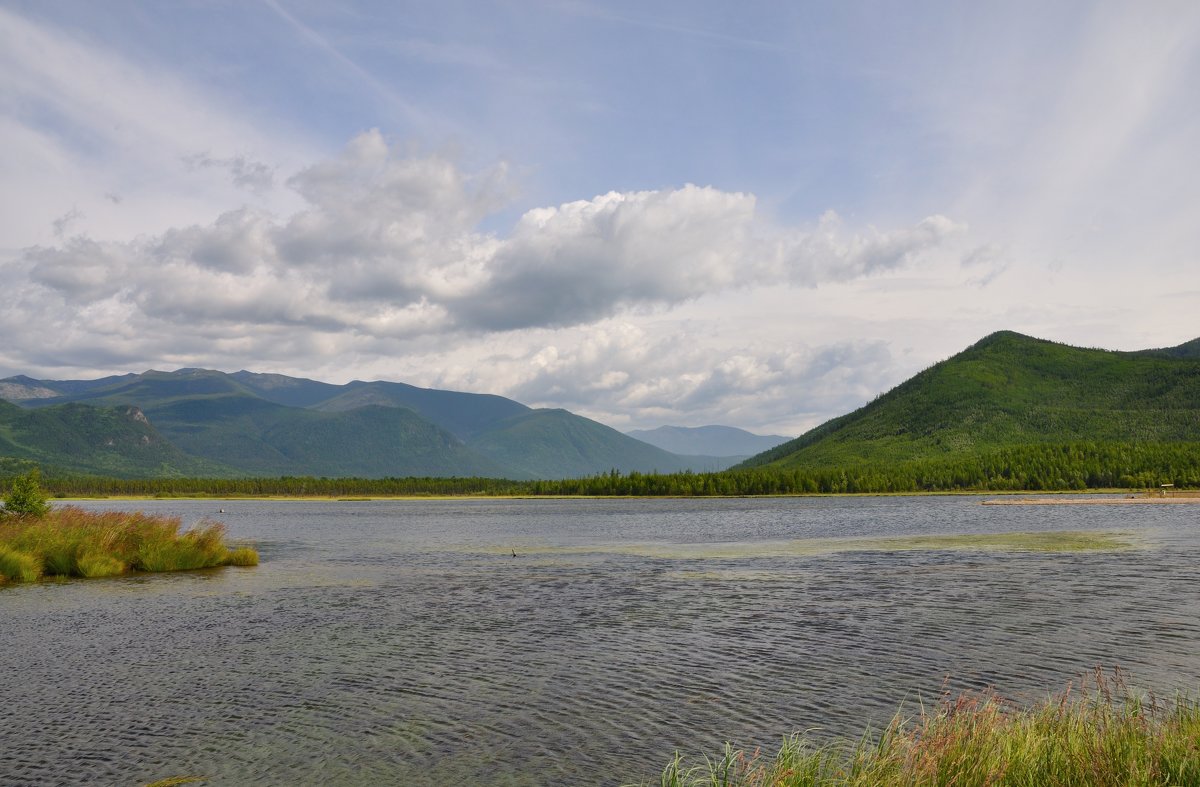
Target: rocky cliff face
x,y
14,390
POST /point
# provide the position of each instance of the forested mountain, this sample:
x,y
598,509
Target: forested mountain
x,y
102,440
559,444
462,414
1009,391
207,422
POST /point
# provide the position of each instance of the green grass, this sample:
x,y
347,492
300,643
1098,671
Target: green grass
x,y
1105,735
71,542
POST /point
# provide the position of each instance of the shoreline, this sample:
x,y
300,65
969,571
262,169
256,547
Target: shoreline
x,y
1052,497
1101,501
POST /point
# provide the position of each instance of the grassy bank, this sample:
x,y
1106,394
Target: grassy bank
x,y
71,542
1105,735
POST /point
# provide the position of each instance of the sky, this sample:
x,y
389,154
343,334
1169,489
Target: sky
x,y
758,214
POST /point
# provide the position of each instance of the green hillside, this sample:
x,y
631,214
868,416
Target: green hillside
x,y
117,441
560,444
372,442
265,424
1011,390
228,428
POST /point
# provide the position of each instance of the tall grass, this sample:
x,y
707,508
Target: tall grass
x,y
71,542
1104,734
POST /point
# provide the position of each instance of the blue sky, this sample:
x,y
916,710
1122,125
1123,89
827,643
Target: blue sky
x,y
760,214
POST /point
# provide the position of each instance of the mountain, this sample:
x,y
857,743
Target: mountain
x,y
247,423
226,420
463,414
116,441
560,444
708,440
1011,390
281,389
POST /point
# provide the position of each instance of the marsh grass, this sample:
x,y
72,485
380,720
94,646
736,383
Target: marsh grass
x,y
1101,734
71,542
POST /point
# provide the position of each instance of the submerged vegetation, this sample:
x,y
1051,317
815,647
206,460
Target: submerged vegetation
x,y
71,542
1047,541
1106,735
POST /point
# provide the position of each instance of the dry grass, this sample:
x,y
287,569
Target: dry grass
x,y
1104,734
71,542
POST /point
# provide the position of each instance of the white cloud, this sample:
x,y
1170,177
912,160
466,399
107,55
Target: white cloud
x,y
385,258
630,375
386,246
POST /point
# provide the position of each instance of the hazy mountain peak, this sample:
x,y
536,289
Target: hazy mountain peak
x,y
712,440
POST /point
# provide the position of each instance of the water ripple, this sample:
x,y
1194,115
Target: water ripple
x,y
402,643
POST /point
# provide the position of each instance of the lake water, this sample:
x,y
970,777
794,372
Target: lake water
x,y
402,643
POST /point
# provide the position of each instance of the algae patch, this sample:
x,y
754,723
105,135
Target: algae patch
x,y
1050,541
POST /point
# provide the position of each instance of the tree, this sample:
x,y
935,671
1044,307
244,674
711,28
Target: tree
x,y
26,497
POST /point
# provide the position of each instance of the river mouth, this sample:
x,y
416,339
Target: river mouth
x,y
401,642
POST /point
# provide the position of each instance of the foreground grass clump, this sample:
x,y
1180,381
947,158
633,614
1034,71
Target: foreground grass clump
x,y
1109,736
71,542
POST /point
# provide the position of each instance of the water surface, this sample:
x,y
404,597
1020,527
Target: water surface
x,y
401,642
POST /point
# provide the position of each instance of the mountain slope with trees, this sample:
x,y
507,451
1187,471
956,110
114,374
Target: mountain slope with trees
x,y
559,444
266,424
117,441
1008,391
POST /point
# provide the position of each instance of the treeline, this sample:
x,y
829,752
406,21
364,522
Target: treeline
x,y
286,486
1074,466
1077,466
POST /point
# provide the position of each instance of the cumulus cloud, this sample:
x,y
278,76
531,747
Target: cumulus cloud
x,y
632,376
385,258
388,246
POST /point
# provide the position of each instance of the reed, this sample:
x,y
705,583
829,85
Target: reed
x,y
1102,734
71,542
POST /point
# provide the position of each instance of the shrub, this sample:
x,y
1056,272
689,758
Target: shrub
x,y
26,498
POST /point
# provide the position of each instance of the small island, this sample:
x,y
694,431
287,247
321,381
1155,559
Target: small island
x,y
38,541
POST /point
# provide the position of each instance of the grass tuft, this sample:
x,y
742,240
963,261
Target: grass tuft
x,y
18,566
97,564
1103,735
243,556
76,543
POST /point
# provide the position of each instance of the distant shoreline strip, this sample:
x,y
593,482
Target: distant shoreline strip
x,y
1093,501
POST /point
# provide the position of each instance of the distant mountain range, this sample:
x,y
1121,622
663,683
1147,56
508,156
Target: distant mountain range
x,y
194,422
1006,391
723,441
1003,405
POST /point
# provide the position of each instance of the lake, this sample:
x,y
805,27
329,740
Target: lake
x,y
400,642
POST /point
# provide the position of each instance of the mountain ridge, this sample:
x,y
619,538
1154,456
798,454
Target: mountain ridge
x,y
268,424
1009,389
